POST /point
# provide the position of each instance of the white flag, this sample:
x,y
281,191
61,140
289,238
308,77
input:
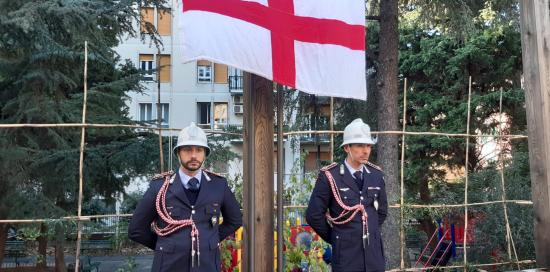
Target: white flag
x,y
316,46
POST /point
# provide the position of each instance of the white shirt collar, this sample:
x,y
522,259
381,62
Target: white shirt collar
x,y
185,178
353,170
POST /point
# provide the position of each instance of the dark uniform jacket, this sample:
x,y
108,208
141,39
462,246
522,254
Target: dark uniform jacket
x,y
348,253
173,252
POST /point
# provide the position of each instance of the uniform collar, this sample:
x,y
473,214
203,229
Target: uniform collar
x,y
353,170
185,178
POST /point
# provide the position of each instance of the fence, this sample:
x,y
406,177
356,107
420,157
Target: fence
x,y
108,221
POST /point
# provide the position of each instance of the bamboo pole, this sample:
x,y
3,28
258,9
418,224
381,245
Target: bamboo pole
x,y
159,117
465,241
462,266
509,239
84,125
389,132
214,132
396,206
401,211
81,160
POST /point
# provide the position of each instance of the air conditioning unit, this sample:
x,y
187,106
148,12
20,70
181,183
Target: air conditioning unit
x,y
238,109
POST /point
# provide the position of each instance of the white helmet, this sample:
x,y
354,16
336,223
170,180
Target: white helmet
x,y
192,136
357,132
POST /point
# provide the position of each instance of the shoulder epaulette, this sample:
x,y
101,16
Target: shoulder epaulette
x,y
212,173
162,175
375,166
330,166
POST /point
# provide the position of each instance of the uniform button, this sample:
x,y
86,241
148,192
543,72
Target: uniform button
x,y
170,213
337,237
160,248
362,198
193,211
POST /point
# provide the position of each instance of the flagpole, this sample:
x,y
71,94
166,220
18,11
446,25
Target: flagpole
x,y
258,174
248,175
280,176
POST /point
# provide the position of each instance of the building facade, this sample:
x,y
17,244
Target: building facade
x,y
203,92
209,94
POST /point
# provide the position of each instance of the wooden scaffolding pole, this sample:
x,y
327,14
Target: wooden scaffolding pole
x,y
535,42
258,174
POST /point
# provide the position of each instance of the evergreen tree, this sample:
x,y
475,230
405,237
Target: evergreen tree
x,y
438,54
41,81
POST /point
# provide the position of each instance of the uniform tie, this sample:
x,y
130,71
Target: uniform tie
x,y
193,184
359,179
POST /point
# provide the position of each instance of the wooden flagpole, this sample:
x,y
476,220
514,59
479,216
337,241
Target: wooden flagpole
x,y
258,174
535,43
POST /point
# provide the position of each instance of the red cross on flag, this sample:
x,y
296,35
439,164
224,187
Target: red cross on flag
x,y
316,46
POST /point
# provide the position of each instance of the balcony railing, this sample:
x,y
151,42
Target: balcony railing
x,y
217,126
236,84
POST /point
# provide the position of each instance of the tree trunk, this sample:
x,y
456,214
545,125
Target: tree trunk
x,y
42,246
59,249
427,223
424,191
388,112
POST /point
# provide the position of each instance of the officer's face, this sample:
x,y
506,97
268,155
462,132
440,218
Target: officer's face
x,y
192,157
358,153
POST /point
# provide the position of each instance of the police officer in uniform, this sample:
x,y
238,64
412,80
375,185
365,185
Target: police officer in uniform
x,y
348,205
180,215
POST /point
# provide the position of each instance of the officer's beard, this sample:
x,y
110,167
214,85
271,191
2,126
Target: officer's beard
x,y
189,167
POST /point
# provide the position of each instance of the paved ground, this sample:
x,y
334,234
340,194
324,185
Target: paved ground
x,y
112,263
106,263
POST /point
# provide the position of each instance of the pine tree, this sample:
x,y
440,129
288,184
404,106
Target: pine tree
x,y
41,81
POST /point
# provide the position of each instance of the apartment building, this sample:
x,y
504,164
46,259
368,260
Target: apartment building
x,y
209,94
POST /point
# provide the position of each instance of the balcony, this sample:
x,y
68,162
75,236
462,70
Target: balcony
x,y
235,84
217,126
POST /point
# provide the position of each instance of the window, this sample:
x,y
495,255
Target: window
x,y
146,65
235,80
314,160
145,112
220,73
220,115
163,22
204,71
204,114
164,114
146,62
147,19
165,68
164,18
